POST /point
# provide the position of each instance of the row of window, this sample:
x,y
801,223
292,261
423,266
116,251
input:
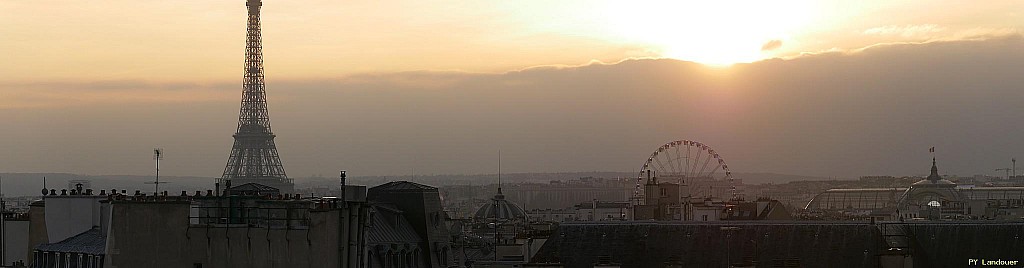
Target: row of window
x,y
45,259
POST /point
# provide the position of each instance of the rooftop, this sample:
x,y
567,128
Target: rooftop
x,y
88,242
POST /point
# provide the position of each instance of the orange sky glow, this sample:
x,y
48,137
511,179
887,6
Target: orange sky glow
x,y
546,82
201,41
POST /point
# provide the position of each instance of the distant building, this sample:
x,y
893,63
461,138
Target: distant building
x,y
604,211
589,211
708,210
553,215
759,210
662,202
930,198
562,194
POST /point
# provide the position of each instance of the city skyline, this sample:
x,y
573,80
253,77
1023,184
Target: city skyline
x,y
869,105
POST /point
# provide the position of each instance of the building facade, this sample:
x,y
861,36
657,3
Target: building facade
x,y
930,198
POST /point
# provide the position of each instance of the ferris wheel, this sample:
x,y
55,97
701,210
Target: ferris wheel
x,y
683,162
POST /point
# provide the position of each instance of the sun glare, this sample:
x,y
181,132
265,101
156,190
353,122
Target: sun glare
x,y
716,33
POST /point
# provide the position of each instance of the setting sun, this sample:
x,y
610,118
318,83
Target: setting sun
x,y
715,33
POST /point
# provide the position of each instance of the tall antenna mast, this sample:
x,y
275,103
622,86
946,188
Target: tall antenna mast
x,y
158,154
499,171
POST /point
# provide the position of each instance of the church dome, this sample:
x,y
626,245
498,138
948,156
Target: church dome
x,y
500,208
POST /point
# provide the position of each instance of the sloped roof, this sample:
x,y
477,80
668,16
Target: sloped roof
x,y
89,242
383,230
252,186
401,185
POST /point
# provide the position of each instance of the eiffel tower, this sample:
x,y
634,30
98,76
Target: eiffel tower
x,y
254,157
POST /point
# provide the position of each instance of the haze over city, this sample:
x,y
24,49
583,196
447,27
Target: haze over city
x,y
395,134
426,87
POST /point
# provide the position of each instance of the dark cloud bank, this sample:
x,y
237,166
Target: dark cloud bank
x,y
871,112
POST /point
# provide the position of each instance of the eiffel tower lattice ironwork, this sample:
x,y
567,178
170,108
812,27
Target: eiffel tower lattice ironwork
x,y
254,154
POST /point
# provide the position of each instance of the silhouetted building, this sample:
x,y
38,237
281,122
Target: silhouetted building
x,y
420,206
87,229
391,240
661,202
779,244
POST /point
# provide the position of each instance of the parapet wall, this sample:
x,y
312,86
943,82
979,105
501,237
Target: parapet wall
x,y
805,244
159,234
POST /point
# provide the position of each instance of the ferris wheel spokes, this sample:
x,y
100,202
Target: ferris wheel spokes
x,y
696,163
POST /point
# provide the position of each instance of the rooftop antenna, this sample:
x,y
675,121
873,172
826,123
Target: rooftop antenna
x,y
499,172
343,176
45,191
158,154
497,232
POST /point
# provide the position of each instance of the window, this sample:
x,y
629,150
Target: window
x,y
197,265
705,217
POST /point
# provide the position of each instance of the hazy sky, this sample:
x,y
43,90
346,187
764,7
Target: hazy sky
x,y
841,88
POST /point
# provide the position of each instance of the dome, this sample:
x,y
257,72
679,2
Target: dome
x,y
934,179
500,208
942,182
